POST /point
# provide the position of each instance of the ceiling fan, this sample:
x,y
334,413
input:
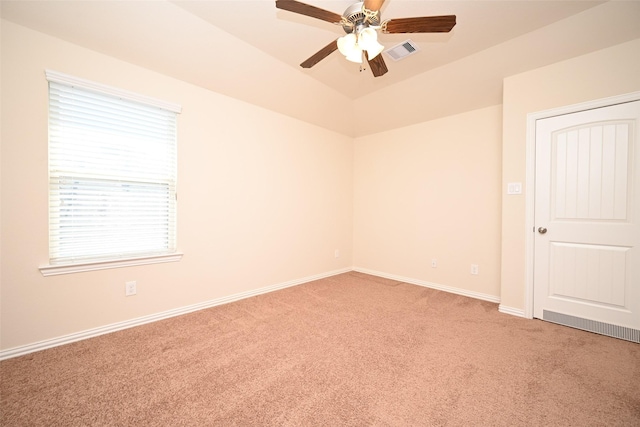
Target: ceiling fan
x,y
360,21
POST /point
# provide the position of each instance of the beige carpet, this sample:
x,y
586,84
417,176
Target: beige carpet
x,y
352,349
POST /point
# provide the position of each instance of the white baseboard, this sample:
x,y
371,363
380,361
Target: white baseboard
x,y
512,311
94,332
458,291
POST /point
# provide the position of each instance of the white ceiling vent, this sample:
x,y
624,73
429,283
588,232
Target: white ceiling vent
x,y
402,50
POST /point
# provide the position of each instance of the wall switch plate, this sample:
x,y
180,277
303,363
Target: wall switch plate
x,y
130,288
434,263
336,253
475,269
514,188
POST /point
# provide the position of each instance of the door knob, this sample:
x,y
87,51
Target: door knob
x,y
542,230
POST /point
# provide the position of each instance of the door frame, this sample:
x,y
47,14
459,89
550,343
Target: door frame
x,y
532,118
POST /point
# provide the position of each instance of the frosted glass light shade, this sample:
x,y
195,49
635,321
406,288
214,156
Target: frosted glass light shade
x,y
355,55
375,50
367,37
347,44
368,40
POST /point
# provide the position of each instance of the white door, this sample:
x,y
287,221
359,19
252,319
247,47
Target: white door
x,y
587,220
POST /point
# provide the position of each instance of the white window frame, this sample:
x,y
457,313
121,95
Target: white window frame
x,y
100,263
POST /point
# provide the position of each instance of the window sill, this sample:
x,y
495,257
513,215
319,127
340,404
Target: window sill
x,y
53,270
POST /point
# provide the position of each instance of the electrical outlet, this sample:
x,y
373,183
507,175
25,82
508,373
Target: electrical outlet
x,y
336,253
130,288
434,263
475,269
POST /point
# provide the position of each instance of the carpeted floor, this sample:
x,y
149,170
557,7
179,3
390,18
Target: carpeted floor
x,y
350,350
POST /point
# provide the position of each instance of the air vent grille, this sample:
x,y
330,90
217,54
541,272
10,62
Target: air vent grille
x,y
402,50
602,328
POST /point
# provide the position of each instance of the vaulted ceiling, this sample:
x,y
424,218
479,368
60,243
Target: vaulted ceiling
x,y
249,50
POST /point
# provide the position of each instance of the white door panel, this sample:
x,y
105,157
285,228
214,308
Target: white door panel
x,y
587,191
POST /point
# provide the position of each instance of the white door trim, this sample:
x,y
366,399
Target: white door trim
x,y
530,178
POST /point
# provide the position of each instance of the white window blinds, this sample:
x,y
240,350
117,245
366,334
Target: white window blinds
x,y
112,173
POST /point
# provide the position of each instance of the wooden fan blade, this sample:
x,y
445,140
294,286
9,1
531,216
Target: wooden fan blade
x,y
377,64
320,55
425,24
308,10
373,5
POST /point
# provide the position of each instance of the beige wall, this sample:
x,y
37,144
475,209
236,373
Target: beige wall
x,y
601,74
432,190
264,199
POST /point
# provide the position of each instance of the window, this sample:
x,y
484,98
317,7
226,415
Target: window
x,y
112,174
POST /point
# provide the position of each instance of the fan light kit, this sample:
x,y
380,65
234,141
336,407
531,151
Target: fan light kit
x,y
361,22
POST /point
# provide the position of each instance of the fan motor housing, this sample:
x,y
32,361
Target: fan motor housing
x,y
355,16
